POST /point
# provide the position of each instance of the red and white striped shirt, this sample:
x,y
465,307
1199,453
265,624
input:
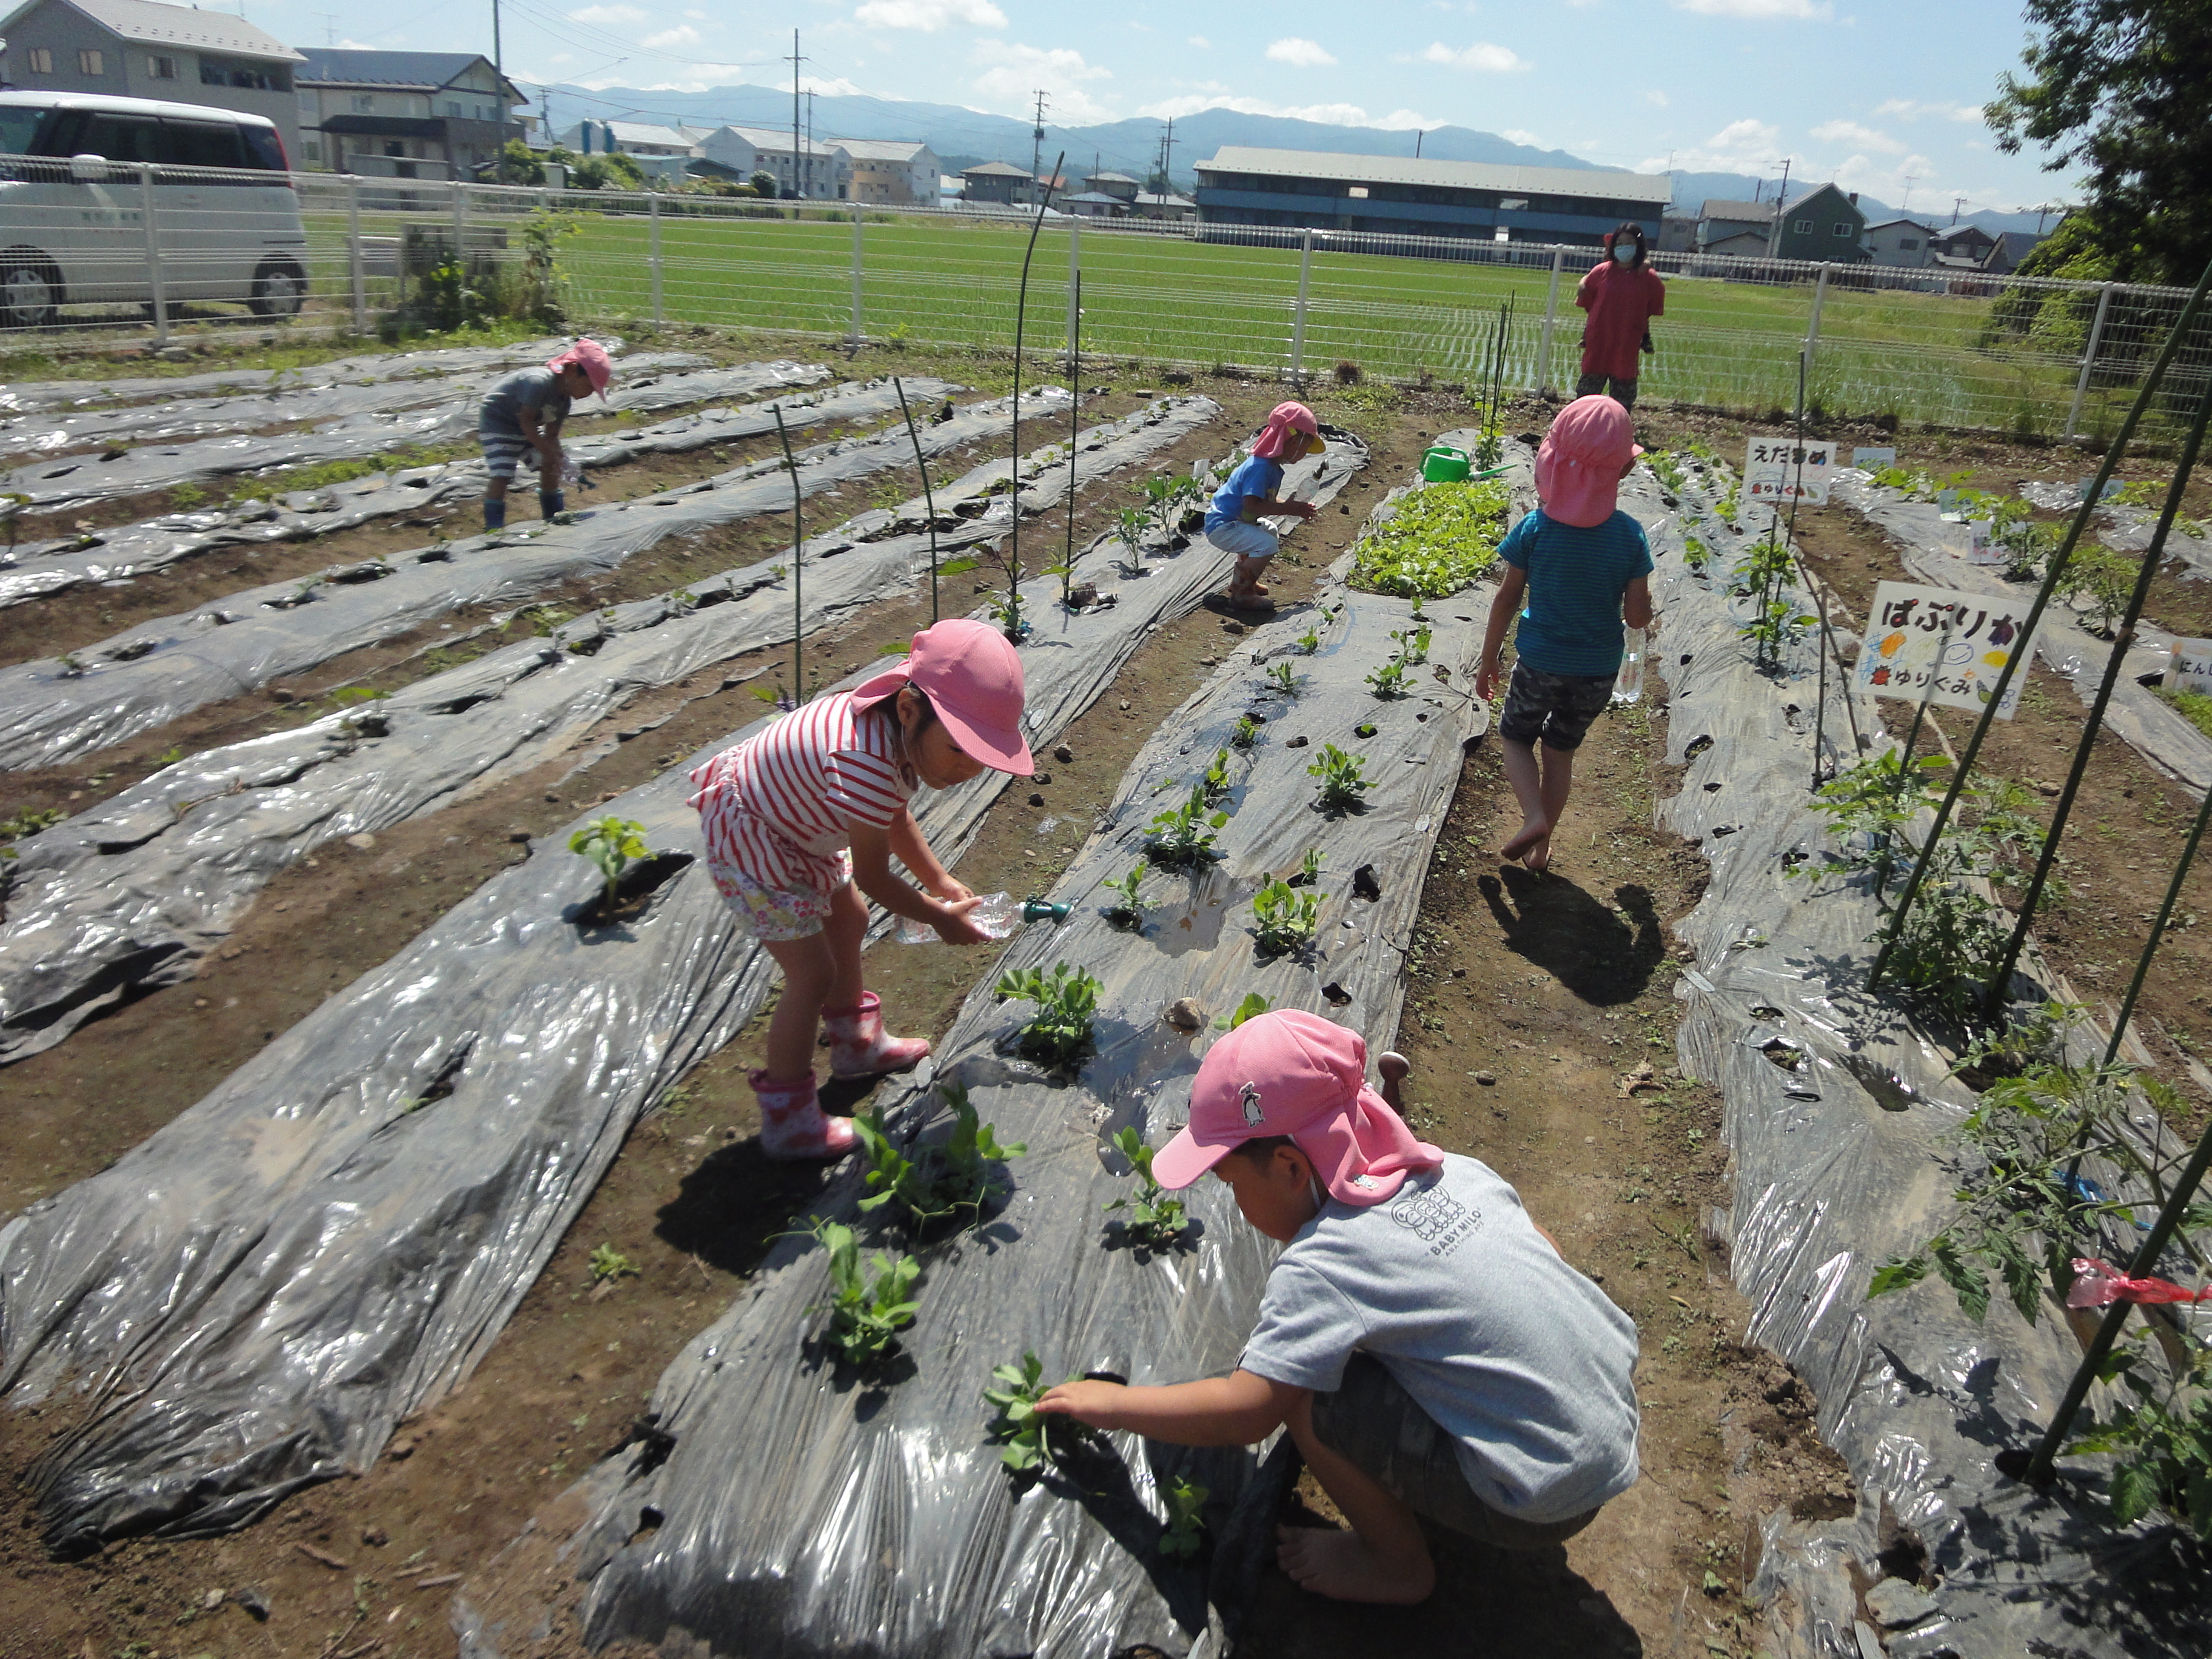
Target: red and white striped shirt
x,y
780,806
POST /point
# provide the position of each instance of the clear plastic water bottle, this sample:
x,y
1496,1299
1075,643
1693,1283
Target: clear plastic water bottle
x,y
1628,687
998,914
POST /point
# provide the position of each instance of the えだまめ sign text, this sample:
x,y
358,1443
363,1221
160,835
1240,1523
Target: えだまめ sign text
x,y
1783,470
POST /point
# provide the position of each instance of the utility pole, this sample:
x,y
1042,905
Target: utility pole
x,y
810,137
1418,136
1911,179
1781,200
1036,139
1167,161
1957,206
796,60
499,92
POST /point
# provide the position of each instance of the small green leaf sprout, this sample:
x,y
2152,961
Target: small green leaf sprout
x,y
610,843
1343,785
1019,1427
868,1309
1182,837
1252,1007
1059,1034
1309,641
1126,909
943,1179
1285,681
1389,680
1284,918
1246,734
1215,783
1186,1526
609,1263
1155,1219
1308,873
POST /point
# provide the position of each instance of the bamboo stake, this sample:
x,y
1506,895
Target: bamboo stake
x,y
798,541
1021,313
928,496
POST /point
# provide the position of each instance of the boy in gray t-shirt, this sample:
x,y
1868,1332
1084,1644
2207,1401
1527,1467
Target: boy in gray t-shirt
x,y
525,413
1421,1337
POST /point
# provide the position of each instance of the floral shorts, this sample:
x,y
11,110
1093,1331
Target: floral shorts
x,y
776,915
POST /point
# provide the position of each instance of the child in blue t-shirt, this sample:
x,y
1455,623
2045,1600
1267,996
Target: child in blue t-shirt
x,y
1584,566
1248,494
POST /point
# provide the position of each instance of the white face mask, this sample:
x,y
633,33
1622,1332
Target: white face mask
x,y
1625,251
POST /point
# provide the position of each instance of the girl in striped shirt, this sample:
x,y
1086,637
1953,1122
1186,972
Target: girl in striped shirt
x,y
797,814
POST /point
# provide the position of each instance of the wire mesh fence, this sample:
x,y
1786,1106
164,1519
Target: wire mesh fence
x,y
106,246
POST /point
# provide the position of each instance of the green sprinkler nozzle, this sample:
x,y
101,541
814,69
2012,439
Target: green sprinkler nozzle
x,y
1043,909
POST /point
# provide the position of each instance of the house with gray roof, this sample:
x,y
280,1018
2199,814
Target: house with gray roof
x,y
138,49
895,171
813,172
997,181
404,114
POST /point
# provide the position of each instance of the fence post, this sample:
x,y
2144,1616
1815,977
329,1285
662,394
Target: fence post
x,y
153,253
1299,317
460,227
858,266
1074,280
2088,360
652,211
355,274
1550,317
1813,323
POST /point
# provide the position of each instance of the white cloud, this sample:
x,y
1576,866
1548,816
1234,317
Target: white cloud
x,y
1655,96
1850,132
682,35
609,15
1805,11
1202,43
930,15
352,45
1306,54
1013,73
693,77
1746,146
838,87
1909,109
1521,135
1335,115
1481,55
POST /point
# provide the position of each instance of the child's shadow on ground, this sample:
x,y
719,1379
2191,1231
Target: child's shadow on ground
x,y
1602,956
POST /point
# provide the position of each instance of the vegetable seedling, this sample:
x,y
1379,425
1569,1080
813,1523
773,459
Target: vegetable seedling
x,y
1252,1007
1308,873
943,1179
1389,680
610,843
1309,641
868,1309
1284,918
1127,909
1285,681
1343,785
1246,733
1186,1527
1156,1219
1059,1034
1024,1432
1182,837
1215,783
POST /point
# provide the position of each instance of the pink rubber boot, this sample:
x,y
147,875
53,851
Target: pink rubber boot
x,y
858,1045
793,1128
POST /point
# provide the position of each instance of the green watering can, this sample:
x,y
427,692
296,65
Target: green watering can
x,y
1445,464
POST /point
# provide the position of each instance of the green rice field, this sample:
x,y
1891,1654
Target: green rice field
x,y
1167,299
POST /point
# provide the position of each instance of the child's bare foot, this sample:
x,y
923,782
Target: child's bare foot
x,y
1538,858
1533,833
1342,1566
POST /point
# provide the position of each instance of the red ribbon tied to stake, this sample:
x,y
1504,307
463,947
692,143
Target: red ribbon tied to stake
x,y
2099,1285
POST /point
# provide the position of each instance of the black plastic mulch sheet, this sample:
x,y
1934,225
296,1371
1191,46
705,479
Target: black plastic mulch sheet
x,y
131,895
153,672
333,1238
1838,1111
63,481
2137,713
114,555
374,368
174,418
797,1509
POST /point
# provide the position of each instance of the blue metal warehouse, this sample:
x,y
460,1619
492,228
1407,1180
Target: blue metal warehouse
x,y
1403,197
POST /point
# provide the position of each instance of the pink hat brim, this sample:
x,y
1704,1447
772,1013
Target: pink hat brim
x,y
1002,751
1185,1158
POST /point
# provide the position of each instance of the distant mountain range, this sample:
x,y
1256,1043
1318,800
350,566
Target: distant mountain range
x,y
1133,147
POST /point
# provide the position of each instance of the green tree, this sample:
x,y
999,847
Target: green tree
x,y
519,164
2117,88
763,183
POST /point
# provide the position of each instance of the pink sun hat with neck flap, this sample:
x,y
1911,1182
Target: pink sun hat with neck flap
x,y
1583,460
973,678
1294,1073
590,356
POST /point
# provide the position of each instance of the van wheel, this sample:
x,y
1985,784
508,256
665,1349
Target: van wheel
x,y
30,288
280,289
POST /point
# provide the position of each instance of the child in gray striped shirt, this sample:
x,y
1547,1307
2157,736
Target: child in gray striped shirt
x,y
526,411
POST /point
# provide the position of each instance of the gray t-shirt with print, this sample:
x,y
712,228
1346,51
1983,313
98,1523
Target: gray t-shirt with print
x,y
537,389
1447,1283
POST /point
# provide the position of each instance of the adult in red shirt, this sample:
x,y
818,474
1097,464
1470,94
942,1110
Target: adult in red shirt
x,y
1622,296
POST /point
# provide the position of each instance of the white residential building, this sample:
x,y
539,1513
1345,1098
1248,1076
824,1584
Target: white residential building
x,y
823,174
1902,242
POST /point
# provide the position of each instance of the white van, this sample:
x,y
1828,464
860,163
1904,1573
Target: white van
x,y
73,198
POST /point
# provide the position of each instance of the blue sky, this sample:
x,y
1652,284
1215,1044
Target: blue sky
x,y
1871,93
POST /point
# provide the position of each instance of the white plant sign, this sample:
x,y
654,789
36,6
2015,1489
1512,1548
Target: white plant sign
x,y
1958,642
1783,470
1867,459
2191,667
